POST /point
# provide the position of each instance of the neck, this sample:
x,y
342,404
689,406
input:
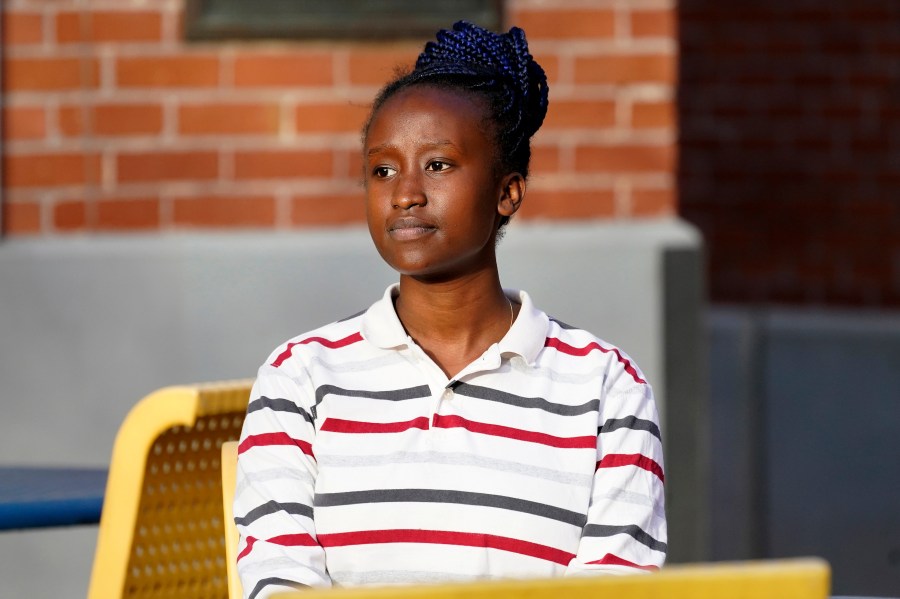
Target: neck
x,y
454,321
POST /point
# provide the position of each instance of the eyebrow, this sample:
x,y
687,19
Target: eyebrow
x,y
441,143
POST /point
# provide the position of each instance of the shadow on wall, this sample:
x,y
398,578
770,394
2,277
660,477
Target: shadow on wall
x,y
788,143
805,421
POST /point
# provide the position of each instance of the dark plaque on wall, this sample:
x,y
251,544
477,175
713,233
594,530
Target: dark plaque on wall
x,y
330,19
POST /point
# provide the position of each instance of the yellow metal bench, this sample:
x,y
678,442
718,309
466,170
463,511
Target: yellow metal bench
x,y
781,579
161,532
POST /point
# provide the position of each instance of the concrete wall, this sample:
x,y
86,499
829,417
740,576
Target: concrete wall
x,y
805,412
90,325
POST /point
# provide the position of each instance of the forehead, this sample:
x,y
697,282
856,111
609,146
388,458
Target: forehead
x,y
430,110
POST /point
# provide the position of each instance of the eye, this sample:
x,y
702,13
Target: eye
x,y
382,172
437,166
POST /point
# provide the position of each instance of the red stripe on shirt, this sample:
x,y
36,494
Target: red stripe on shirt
x,y
583,351
443,537
300,539
247,548
614,560
265,439
496,430
338,425
294,540
632,459
349,340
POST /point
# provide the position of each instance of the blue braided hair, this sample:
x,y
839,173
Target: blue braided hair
x,y
496,66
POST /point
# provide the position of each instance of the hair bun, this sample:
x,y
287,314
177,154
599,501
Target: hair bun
x,y
500,59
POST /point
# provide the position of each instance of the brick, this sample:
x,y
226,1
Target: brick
x,y
355,170
283,164
50,74
24,122
168,71
108,26
211,119
371,65
566,24
224,211
167,166
653,115
330,118
653,23
294,69
325,210
625,159
111,120
72,120
71,27
21,218
127,119
568,204
550,64
653,202
19,28
579,114
69,215
127,215
50,169
544,160
627,68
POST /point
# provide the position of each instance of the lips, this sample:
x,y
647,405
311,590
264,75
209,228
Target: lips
x,y
409,228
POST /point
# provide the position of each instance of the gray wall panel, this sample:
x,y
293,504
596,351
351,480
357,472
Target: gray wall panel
x,y
806,421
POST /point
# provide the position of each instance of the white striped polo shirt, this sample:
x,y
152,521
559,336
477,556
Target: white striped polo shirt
x,y
360,462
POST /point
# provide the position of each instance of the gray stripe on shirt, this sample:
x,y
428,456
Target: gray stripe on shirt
x,y
632,422
278,404
450,496
352,577
379,363
274,581
632,530
575,378
271,507
538,403
621,495
271,474
387,395
456,459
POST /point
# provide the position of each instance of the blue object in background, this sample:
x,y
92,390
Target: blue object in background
x,y
41,497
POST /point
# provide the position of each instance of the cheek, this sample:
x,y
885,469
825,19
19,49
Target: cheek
x,y
373,200
374,217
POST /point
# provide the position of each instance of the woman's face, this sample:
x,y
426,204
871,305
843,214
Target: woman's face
x,y
433,196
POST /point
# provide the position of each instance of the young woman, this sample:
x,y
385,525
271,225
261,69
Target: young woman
x,y
452,431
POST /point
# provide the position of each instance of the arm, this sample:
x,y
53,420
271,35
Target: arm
x,y
626,521
276,474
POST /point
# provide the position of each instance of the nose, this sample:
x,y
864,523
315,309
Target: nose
x,y
408,191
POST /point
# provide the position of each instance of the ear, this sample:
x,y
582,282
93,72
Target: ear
x,y
512,192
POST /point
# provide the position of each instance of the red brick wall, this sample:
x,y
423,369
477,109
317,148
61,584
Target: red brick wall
x,y
112,122
790,148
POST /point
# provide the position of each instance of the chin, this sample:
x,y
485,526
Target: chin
x,y
413,270
410,263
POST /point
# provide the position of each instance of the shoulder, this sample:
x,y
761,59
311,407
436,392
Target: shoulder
x,y
319,342
574,345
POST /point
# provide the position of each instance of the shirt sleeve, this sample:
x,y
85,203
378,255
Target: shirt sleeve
x,y
276,474
626,522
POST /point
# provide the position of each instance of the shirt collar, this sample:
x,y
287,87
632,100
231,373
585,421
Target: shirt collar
x,y
381,326
526,337
528,334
